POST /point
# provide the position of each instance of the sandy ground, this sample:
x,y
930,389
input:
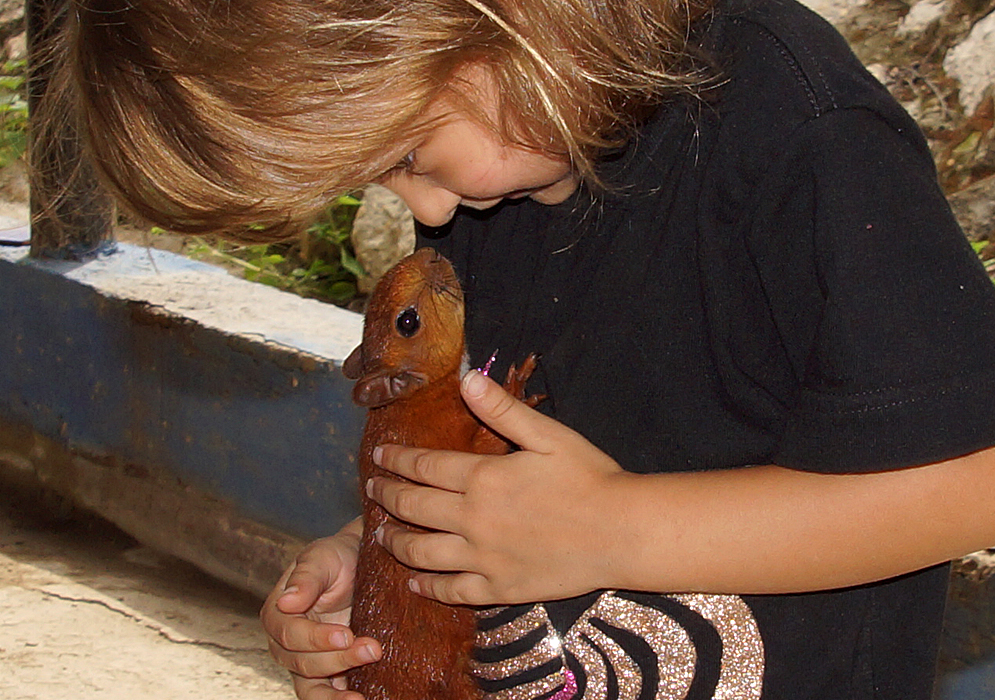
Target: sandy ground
x,y
87,613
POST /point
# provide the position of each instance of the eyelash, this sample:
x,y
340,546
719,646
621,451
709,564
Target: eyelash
x,y
407,163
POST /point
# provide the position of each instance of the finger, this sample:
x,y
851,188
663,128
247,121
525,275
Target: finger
x,y
311,575
328,663
509,417
424,506
301,634
300,593
442,469
432,551
454,589
321,689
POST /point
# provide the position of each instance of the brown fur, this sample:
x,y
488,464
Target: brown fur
x,y
411,387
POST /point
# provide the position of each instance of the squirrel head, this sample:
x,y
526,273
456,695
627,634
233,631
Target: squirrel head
x,y
413,331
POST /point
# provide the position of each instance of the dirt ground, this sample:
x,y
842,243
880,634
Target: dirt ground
x,y
87,613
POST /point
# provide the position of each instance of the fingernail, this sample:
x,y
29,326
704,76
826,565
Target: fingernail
x,y
369,488
289,590
378,535
366,654
377,455
339,640
474,383
413,585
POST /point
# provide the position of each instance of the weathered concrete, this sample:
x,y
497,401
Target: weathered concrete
x,y
203,413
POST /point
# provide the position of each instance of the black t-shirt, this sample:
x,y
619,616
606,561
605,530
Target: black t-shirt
x,y
773,277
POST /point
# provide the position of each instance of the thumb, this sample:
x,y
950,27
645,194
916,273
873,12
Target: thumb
x,y
300,594
509,417
307,580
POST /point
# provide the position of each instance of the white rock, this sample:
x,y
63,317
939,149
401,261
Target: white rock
x,y
834,10
879,71
972,63
382,234
920,16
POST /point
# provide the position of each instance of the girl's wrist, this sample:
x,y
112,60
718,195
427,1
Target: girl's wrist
x,y
615,553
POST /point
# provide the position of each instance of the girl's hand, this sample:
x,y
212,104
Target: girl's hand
x,y
526,526
307,617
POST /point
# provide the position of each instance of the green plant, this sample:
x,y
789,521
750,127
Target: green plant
x,y
13,112
320,263
984,251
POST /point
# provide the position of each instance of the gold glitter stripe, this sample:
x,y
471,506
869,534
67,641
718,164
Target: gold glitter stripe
x,y
535,618
675,653
485,613
591,660
627,672
742,662
741,675
527,691
546,650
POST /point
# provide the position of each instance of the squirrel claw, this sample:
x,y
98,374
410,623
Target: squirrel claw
x,y
514,383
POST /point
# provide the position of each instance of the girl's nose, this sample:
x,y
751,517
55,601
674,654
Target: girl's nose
x,y
430,204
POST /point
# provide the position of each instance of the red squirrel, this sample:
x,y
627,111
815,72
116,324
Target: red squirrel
x,y
407,373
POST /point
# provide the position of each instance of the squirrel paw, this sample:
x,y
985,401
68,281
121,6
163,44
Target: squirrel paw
x,y
514,383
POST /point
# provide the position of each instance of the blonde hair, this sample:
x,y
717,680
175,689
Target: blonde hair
x,y
247,116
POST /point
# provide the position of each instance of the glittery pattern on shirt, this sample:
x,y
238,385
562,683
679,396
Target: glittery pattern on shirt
x,y
618,648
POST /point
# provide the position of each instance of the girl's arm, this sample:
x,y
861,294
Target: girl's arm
x,y
560,518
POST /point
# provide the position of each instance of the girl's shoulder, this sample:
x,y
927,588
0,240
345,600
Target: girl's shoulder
x,y
791,90
780,59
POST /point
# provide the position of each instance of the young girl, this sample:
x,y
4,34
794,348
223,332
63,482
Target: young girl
x,y
762,334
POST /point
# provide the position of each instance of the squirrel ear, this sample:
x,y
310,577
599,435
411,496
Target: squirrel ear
x,y
382,388
352,368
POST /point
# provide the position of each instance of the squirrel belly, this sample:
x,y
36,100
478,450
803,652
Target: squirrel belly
x,y
427,645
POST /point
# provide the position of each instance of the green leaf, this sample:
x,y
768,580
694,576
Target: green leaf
x,y
347,200
11,83
342,291
268,260
968,145
349,262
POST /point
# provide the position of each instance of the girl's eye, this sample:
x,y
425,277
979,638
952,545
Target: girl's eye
x,y
407,163
408,322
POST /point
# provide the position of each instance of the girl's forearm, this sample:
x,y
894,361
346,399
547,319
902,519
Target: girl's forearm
x,y
768,529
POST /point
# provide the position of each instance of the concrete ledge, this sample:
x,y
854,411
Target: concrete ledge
x,y
199,412
155,508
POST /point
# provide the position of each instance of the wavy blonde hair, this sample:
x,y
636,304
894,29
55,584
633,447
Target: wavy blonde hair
x,y
246,116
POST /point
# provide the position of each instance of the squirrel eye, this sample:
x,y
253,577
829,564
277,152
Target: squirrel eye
x,y
408,322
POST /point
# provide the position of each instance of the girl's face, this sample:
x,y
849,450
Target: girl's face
x,y
461,162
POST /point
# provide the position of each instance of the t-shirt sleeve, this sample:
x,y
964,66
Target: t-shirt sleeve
x,y
878,298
